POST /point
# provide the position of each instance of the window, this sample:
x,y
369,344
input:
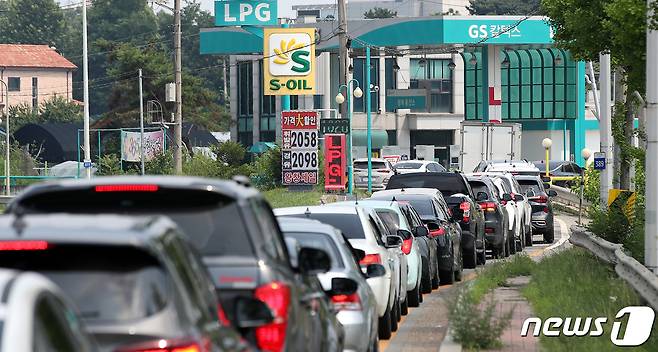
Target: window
x,y
50,331
473,78
267,114
435,76
319,241
272,240
359,74
391,74
14,84
245,103
35,93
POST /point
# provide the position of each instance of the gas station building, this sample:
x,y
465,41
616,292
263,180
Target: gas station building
x,y
431,74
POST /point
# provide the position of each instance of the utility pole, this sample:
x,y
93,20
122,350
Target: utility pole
x,y
651,211
343,51
85,78
141,122
605,125
178,126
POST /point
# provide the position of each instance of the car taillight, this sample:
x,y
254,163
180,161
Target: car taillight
x,y
167,346
272,337
346,302
383,171
489,230
24,246
488,206
407,244
546,210
371,259
440,232
466,209
540,199
223,319
126,188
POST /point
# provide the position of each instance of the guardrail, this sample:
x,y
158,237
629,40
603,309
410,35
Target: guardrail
x,y
643,280
566,197
4,200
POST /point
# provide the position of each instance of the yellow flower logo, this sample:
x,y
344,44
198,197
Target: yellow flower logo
x,y
282,54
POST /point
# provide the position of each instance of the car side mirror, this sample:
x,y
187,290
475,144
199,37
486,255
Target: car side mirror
x,y
551,193
358,254
421,231
482,196
433,226
507,197
393,241
375,270
547,185
518,198
252,313
313,261
405,234
342,286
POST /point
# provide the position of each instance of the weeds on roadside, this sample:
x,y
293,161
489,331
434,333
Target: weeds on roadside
x,y
497,274
475,325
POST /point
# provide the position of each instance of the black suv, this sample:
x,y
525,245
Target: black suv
x,y
239,239
542,207
136,282
462,205
496,222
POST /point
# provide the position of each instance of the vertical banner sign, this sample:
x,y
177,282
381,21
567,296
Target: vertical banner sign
x,y
335,162
289,61
299,155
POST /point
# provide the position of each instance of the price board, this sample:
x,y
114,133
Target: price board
x,y
299,154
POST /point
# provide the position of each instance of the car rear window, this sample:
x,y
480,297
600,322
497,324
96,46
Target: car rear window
x,y
408,166
390,218
319,241
363,165
107,283
531,185
349,224
448,183
478,187
212,222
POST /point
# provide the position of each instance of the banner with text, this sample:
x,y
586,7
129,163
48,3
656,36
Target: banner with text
x,y
335,162
130,145
299,152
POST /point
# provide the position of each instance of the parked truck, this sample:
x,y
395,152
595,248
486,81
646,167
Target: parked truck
x,y
488,141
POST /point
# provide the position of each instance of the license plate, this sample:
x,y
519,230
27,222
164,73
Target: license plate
x,y
364,179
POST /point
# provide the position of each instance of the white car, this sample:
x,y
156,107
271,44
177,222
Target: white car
x,y
414,166
365,231
382,170
36,316
392,216
518,167
523,231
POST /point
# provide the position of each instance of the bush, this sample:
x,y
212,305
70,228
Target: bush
x,y
231,153
267,170
477,328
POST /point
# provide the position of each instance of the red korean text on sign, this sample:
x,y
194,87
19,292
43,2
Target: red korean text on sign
x,y
296,120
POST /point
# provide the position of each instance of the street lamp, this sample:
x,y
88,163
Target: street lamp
x,y
585,153
7,164
340,98
547,143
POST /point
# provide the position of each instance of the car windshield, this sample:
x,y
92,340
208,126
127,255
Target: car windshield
x,y
531,185
107,283
210,220
408,166
319,241
363,165
349,224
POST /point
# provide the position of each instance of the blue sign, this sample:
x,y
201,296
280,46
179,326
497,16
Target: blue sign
x,y
87,164
245,13
414,99
599,161
497,30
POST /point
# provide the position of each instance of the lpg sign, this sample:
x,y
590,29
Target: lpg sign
x,y
289,63
245,12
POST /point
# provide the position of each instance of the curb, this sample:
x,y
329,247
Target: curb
x,y
448,344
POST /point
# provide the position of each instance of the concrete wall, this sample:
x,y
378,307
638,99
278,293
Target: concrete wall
x,y
51,83
531,148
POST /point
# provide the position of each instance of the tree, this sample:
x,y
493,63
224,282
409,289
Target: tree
x,y
588,28
57,109
379,12
32,22
504,7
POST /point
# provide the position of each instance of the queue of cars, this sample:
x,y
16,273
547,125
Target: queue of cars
x,y
170,264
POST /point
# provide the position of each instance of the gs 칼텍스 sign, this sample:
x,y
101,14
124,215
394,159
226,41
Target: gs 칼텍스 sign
x,y
289,61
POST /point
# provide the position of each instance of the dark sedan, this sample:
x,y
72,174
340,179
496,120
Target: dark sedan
x,y
542,207
496,226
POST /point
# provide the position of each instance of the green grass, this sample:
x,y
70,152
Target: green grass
x,y
573,283
281,198
495,275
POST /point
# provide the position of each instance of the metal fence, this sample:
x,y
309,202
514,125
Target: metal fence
x,y
643,280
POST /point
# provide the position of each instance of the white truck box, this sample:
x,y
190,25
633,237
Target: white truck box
x,y
488,141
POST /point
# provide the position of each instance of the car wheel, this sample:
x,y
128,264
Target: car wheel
x,y
395,316
521,241
447,277
425,280
385,323
528,238
549,236
482,257
470,259
375,345
435,280
404,309
414,296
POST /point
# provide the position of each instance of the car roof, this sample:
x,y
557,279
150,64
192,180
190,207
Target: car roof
x,y
410,191
373,160
291,224
317,209
225,187
64,228
514,165
370,203
528,177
